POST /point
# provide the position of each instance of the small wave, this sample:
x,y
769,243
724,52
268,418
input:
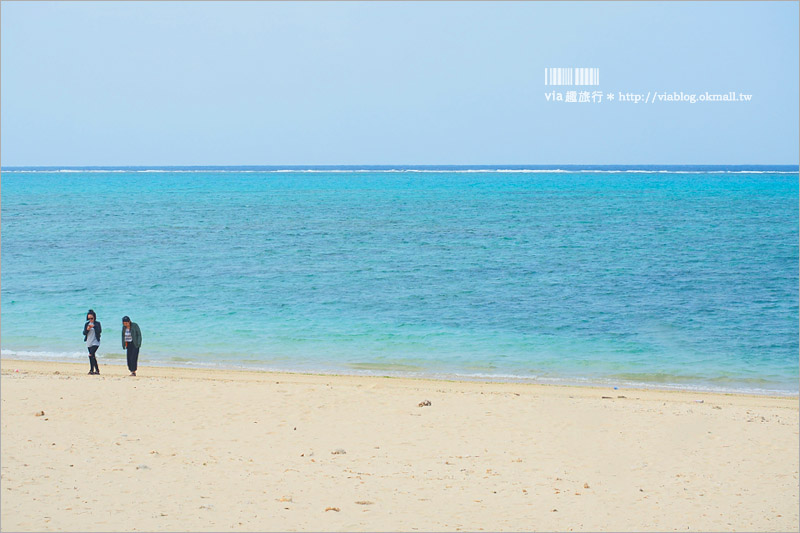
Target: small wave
x,y
30,354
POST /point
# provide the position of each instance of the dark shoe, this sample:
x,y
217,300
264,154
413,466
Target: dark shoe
x,y
91,372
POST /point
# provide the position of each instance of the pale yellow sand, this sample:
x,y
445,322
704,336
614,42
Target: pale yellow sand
x,y
192,450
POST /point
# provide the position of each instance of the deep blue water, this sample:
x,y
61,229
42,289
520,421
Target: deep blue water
x,y
663,276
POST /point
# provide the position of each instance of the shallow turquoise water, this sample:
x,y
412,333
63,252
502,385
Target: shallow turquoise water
x,y
686,279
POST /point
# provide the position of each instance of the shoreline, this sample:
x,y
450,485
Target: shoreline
x,y
443,376
259,451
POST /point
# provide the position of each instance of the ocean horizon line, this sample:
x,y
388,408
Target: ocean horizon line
x,y
635,168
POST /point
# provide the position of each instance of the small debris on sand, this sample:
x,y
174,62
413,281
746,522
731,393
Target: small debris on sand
x,y
364,502
606,398
40,413
332,509
285,499
425,403
338,451
585,485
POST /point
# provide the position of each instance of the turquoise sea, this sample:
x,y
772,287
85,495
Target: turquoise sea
x,y
673,277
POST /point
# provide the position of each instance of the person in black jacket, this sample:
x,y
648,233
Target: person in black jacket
x,y
131,342
91,335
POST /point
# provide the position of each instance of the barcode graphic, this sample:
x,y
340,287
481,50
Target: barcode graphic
x,y
572,76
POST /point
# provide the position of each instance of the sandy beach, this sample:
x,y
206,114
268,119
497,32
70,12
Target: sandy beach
x,y
209,450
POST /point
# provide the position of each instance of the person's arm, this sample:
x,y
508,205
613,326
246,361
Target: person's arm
x,y
85,329
97,330
123,338
138,337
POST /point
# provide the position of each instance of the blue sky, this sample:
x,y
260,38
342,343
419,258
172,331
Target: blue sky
x,y
296,83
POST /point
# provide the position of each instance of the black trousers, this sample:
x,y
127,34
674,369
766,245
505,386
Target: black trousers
x,y
92,359
133,357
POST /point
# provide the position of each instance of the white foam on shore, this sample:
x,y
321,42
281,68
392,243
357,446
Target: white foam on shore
x,y
42,355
